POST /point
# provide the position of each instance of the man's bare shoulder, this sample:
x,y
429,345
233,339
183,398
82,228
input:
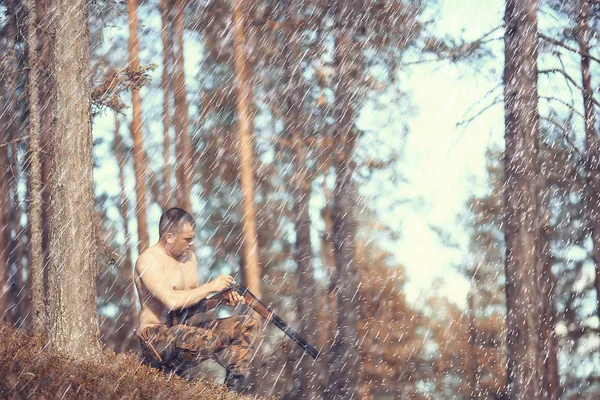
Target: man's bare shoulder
x,y
149,258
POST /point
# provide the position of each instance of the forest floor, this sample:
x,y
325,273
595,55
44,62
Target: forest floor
x,y
28,371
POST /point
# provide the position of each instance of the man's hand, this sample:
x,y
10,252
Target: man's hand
x,y
233,298
221,283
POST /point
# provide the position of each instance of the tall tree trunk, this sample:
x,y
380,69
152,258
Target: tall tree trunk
x,y
4,243
329,260
551,388
345,355
43,18
184,149
551,379
126,266
306,375
243,83
35,180
8,126
16,253
521,199
329,329
592,162
167,42
73,324
139,162
123,205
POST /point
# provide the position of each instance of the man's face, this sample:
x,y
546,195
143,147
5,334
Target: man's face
x,y
181,243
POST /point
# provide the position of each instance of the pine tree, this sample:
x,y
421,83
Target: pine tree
x,y
72,319
139,162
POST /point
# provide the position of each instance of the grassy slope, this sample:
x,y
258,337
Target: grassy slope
x,y
29,371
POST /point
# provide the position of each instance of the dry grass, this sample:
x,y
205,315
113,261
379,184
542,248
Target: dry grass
x,y
27,371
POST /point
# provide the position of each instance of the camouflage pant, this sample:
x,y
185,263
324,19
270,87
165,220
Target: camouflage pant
x,y
228,341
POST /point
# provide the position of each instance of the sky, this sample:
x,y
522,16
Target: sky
x,y
443,161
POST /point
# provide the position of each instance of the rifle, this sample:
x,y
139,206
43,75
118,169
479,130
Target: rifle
x,y
180,316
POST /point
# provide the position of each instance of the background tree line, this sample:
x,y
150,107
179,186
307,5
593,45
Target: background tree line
x,y
257,136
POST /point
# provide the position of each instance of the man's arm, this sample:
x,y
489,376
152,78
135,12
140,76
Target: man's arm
x,y
150,274
228,298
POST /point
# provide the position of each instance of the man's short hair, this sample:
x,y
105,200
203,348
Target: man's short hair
x,y
173,219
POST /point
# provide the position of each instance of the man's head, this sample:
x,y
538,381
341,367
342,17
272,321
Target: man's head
x,y
176,231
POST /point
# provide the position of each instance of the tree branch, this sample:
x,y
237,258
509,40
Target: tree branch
x,y
569,106
567,47
14,141
569,78
565,133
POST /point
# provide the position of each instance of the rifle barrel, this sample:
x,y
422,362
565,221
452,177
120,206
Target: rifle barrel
x,y
278,322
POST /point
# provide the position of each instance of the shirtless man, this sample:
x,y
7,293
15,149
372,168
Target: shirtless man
x,y
166,279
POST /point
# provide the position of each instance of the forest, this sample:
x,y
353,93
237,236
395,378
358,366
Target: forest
x,y
412,185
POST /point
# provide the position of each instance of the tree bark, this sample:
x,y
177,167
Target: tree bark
x,y
473,370
43,18
38,306
592,162
345,355
551,388
4,244
345,358
139,162
167,86
123,205
8,126
21,291
521,200
243,83
306,375
73,324
184,149
329,260
551,378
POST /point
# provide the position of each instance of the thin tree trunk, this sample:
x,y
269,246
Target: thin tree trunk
x,y
73,324
243,83
551,379
329,259
306,375
473,371
139,162
551,388
123,205
521,200
4,247
35,180
7,124
345,354
592,145
167,85
184,150
16,255
329,315
43,18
